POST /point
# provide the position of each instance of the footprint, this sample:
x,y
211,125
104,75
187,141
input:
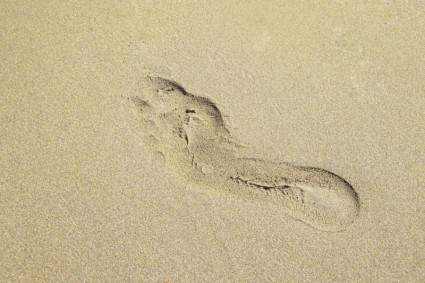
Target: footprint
x,y
191,135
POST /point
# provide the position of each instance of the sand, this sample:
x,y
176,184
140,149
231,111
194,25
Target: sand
x,y
175,141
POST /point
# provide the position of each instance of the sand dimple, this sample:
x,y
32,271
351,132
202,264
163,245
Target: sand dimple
x,y
189,131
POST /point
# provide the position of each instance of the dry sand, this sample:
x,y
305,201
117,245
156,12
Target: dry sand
x,y
87,193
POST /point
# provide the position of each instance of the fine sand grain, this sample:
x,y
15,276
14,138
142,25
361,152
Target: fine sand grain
x,y
193,141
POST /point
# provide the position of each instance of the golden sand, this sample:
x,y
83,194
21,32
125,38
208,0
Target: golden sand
x,y
103,180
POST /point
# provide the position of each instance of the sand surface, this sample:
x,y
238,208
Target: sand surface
x,y
85,195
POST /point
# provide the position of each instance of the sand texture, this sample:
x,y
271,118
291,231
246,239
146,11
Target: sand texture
x,y
212,141
189,134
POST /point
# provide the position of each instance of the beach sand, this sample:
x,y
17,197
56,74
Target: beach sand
x,y
174,141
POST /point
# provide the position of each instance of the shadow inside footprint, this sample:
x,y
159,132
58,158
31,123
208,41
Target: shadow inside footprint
x,y
190,132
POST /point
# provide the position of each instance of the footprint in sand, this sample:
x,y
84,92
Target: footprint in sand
x,y
189,132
